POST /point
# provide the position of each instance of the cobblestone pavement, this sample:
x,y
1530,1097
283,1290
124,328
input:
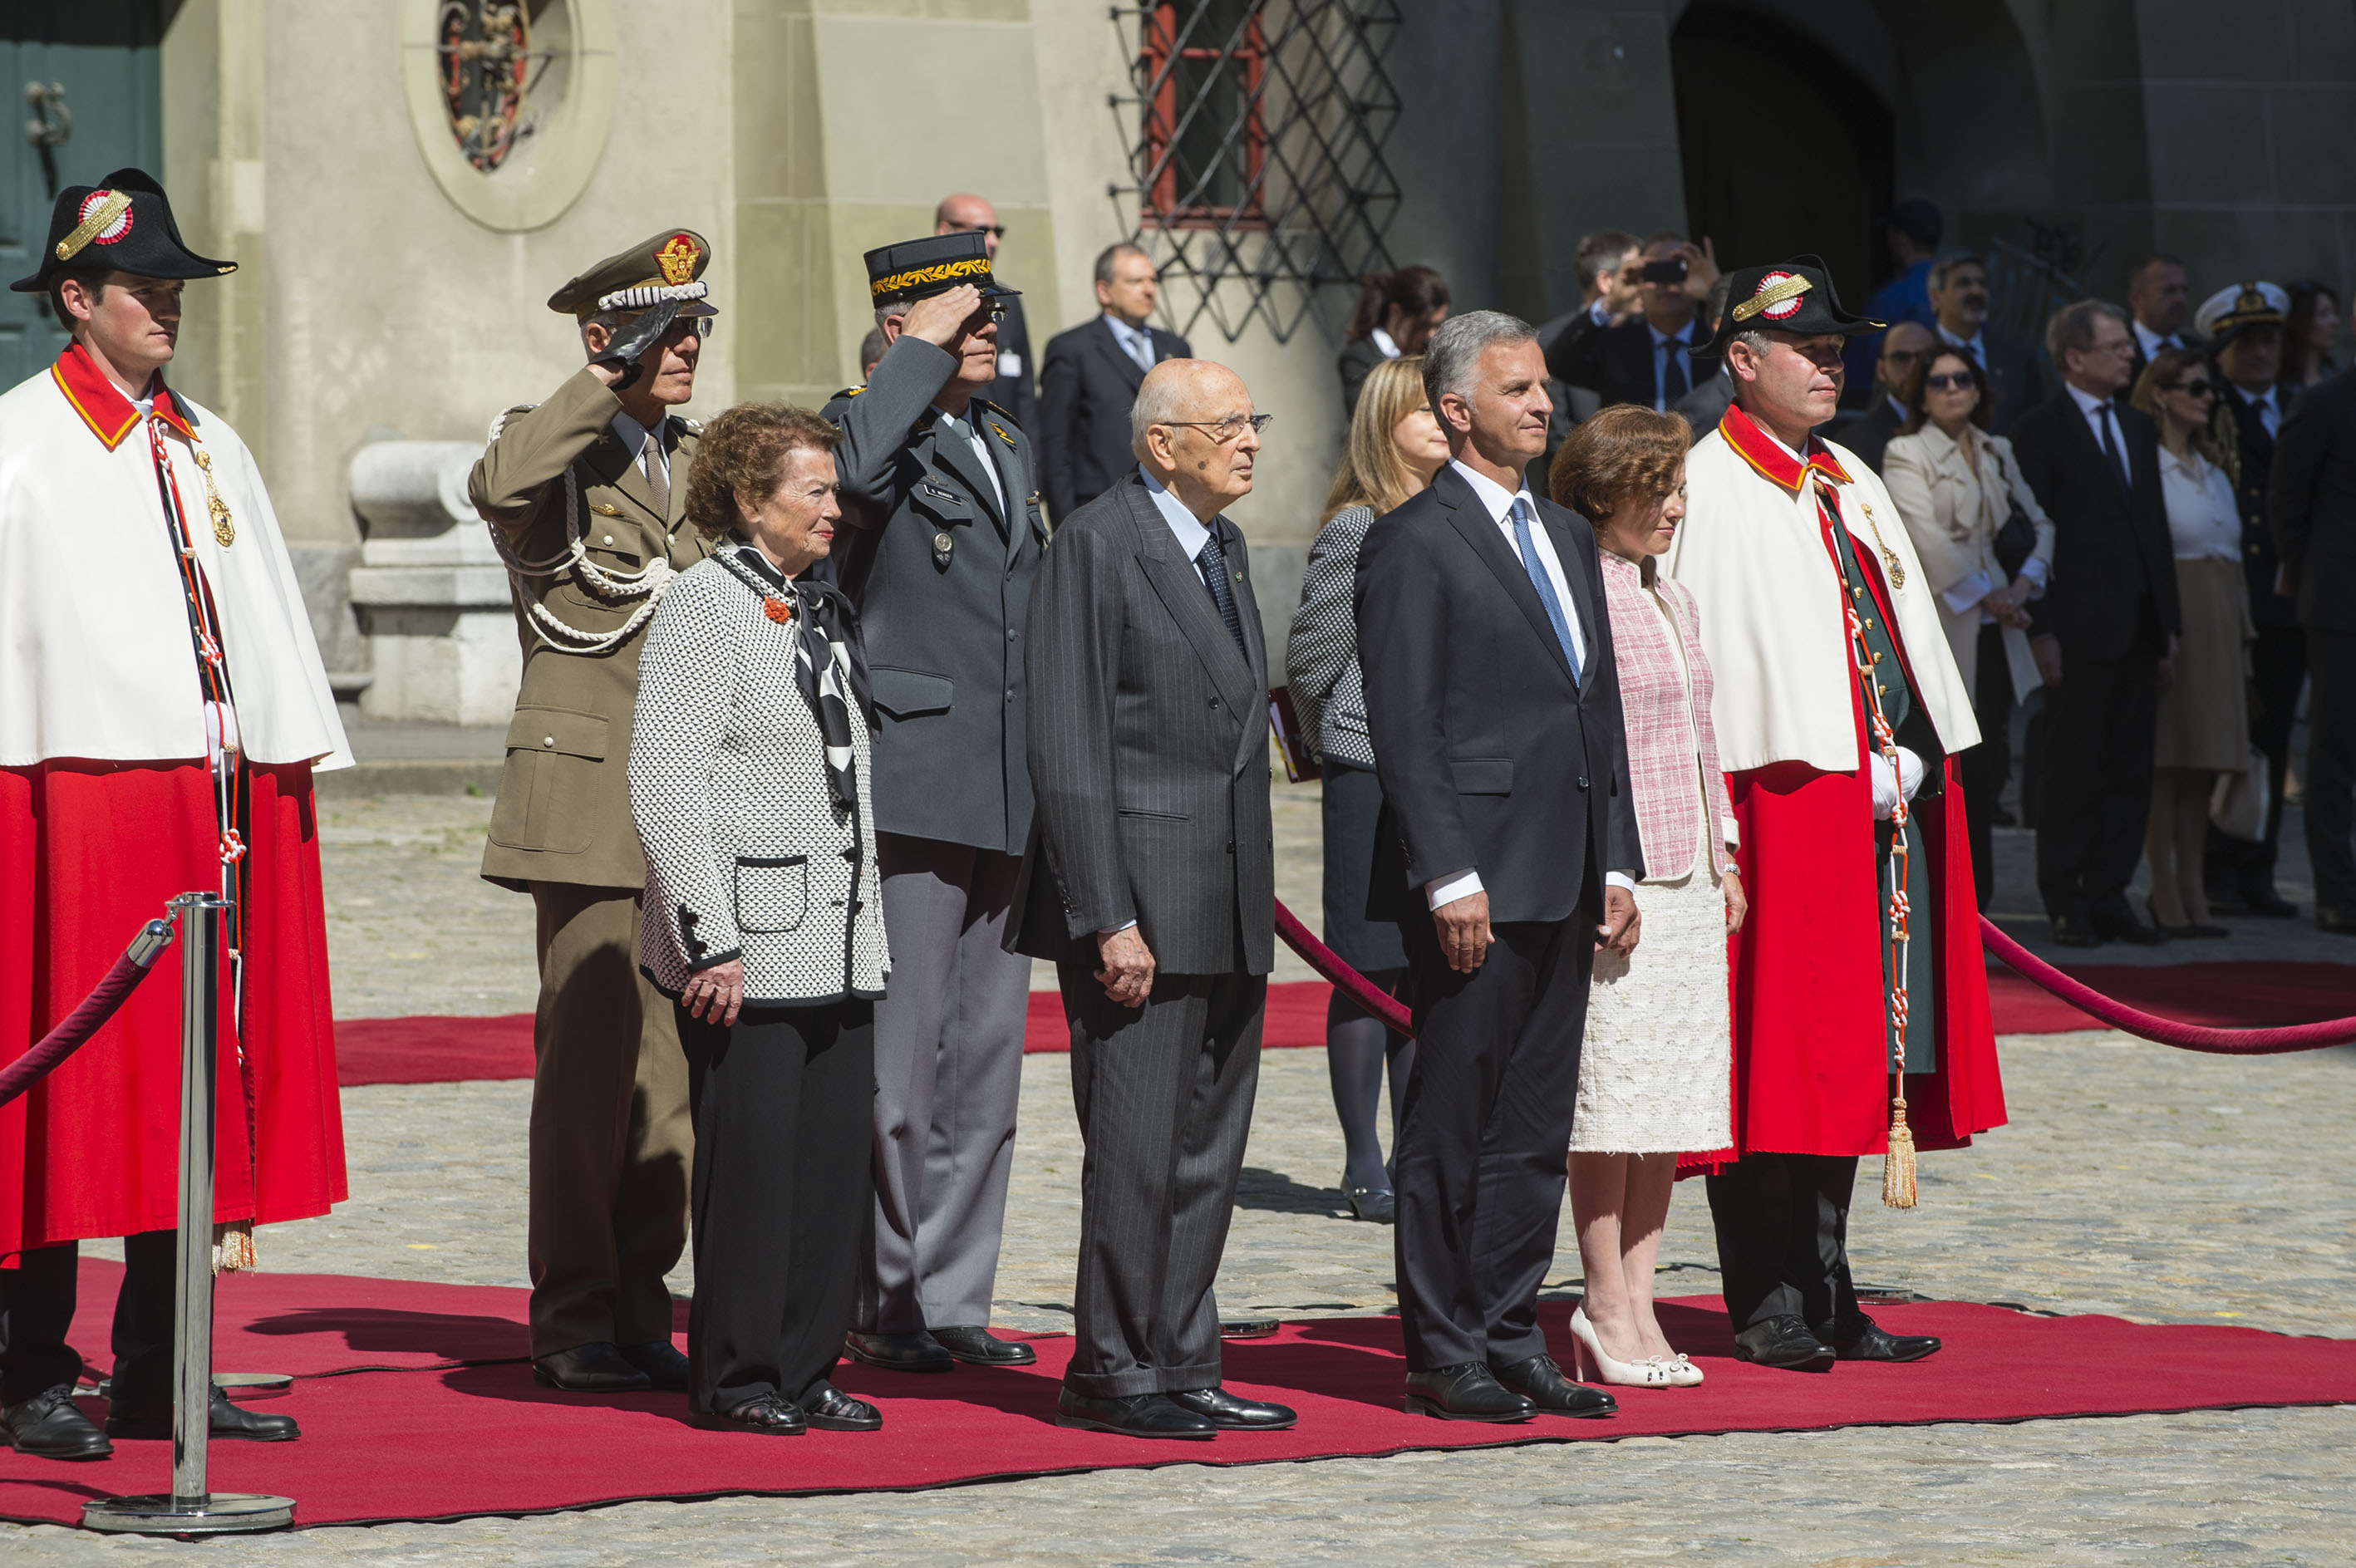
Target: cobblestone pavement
x,y
2160,1185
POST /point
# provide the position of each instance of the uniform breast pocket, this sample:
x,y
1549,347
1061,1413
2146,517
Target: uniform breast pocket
x,y
772,893
547,794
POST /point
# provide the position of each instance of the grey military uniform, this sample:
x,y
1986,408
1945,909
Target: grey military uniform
x,y
939,557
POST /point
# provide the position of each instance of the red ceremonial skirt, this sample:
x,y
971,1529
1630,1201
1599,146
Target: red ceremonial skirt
x,y
89,852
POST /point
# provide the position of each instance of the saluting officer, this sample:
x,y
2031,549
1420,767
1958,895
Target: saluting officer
x,y
941,489
582,494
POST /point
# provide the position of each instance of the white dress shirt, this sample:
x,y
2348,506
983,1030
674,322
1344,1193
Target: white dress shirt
x,y
1137,342
1384,341
2151,342
1500,504
952,424
2104,439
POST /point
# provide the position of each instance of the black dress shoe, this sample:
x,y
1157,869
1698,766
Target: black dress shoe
x,y
829,1409
596,1367
2121,925
1784,1341
230,1421
2071,931
2267,904
49,1425
1379,1205
662,1362
1540,1382
980,1347
1231,1413
917,1352
767,1414
1131,1415
1465,1392
2338,921
1869,1341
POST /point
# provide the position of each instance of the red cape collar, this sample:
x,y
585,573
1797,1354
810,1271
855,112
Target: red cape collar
x,y
110,415
1769,456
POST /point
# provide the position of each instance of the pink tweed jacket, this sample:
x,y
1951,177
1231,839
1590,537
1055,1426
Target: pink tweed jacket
x,y
1671,746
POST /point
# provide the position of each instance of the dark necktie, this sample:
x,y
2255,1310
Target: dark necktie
x,y
1213,562
2113,449
1673,383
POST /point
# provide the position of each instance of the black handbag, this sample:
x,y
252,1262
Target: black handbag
x,y
2016,541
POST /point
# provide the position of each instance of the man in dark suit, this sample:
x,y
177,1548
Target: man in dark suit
x,y
1646,360
1150,882
1011,388
1508,843
2158,307
2105,628
1867,431
2243,326
2311,504
1959,298
1090,378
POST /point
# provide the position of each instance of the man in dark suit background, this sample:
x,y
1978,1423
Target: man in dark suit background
x,y
1867,431
1090,378
1508,842
1647,359
2156,306
2311,503
2105,628
1959,298
1012,389
1150,882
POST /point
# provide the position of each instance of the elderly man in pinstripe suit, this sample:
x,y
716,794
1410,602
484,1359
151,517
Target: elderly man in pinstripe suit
x,y
1150,882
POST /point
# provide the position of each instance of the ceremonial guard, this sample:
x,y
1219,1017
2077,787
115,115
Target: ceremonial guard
x,y
161,709
942,493
582,494
1860,999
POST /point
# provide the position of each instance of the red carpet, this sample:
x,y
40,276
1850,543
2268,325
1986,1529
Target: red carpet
x,y
2245,996
442,1442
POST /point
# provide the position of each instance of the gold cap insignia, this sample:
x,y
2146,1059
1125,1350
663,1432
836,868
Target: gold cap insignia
x,y
1778,296
105,217
678,258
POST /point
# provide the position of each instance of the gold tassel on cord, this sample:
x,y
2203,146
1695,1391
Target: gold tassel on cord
x,y
1898,1165
233,1246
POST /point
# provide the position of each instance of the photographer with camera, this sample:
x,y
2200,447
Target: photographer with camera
x,y
1646,360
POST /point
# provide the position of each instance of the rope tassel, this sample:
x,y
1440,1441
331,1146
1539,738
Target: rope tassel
x,y
1898,1165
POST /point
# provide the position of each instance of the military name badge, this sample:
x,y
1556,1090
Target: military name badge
x,y
224,526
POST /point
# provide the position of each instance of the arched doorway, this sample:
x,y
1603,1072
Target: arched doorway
x,y
1786,148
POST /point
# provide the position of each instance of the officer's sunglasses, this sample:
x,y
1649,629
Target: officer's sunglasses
x,y
995,230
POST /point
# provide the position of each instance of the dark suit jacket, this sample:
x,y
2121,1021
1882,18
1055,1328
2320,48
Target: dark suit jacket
x,y
1866,431
1616,362
2254,454
1149,750
1706,403
1087,385
2014,374
1013,392
1491,758
2311,503
2111,547
1358,358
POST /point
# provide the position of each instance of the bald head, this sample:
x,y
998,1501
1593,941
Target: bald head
x,y
1902,347
1190,427
962,213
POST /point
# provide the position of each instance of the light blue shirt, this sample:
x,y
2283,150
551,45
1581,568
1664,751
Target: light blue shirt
x,y
1135,341
1191,532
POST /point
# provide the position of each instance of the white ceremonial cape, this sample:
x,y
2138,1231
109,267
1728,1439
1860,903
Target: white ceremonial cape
x,y
1772,617
96,659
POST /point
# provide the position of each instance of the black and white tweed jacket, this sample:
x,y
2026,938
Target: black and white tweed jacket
x,y
1321,653
747,854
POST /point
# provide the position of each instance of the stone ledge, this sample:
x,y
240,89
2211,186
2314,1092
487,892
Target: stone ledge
x,y
410,777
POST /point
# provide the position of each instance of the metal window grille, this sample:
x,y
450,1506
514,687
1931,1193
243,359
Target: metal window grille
x,y
1256,165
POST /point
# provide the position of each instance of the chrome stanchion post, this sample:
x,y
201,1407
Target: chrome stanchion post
x,y
190,1508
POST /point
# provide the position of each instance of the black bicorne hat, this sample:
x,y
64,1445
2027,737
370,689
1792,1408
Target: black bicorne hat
x,y
122,223
1797,297
933,265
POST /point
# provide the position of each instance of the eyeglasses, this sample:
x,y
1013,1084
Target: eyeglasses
x,y
1953,381
1226,431
2194,388
995,230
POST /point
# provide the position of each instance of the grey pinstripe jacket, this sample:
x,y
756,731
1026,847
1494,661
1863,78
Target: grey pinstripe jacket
x,y
1149,750
1321,655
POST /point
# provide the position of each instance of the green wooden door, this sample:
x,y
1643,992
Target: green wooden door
x,y
103,54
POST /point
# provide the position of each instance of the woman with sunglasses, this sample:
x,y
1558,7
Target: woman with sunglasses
x,y
1987,548
2203,714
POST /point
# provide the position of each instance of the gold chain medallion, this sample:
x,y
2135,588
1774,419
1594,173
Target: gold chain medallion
x,y
224,526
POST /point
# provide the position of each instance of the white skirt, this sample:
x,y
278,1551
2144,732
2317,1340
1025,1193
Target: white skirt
x,y
1657,1071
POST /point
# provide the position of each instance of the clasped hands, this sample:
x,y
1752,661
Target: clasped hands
x,y
1891,787
1465,935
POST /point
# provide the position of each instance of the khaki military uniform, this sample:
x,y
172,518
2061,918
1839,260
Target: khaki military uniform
x,y
610,1140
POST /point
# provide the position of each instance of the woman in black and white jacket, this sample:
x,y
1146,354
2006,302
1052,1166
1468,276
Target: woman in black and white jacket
x,y
749,782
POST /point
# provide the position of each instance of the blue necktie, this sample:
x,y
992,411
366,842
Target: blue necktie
x,y
1543,583
1212,562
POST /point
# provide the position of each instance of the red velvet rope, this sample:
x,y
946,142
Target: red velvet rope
x,y
85,1021
2119,1015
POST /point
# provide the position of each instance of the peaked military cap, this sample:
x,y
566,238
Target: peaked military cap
x,y
933,265
664,269
123,223
1794,296
2240,307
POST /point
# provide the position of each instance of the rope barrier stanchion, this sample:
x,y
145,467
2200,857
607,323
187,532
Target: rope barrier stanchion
x,y
1376,1002
190,1508
78,1026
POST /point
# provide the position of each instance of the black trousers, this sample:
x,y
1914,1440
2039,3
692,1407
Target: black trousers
x,y
2096,793
1482,1149
2331,768
1164,1095
1988,767
784,1106
2277,669
37,1308
1783,1239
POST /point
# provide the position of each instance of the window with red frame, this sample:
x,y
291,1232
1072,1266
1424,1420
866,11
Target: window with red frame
x,y
1203,61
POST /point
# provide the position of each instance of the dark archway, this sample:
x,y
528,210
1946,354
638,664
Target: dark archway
x,y
1785,149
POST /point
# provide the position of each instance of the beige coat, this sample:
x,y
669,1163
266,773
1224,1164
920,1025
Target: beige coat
x,y
1954,502
563,808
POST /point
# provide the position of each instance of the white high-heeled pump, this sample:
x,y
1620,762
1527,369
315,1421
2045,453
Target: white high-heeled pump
x,y
1585,1347
1683,1374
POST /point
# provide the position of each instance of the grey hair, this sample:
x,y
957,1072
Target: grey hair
x,y
2072,327
1452,358
1754,339
611,320
1159,401
886,312
1945,267
1111,253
